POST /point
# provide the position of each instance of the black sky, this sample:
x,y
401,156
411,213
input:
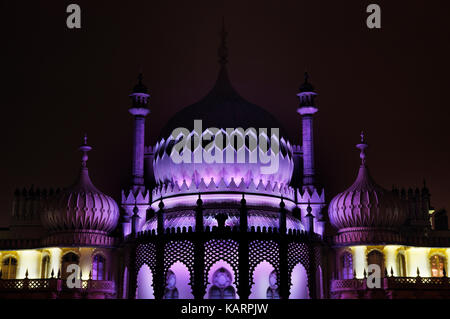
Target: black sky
x,y
57,84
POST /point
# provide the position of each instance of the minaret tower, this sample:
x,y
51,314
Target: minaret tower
x,y
139,110
306,110
135,202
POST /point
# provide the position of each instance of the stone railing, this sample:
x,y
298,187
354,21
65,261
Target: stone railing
x,y
394,283
55,285
348,284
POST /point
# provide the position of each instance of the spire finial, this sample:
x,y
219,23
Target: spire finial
x,y
84,149
223,49
140,87
362,147
306,86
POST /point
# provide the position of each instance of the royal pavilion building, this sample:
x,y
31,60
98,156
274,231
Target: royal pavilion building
x,y
224,206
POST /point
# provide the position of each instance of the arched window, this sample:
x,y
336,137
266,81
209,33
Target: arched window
x,y
222,288
67,260
99,267
171,291
45,267
401,265
376,257
9,268
437,266
272,291
347,266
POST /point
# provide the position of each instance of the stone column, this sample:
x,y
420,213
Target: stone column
x,y
159,281
138,145
139,109
198,282
284,278
307,109
244,280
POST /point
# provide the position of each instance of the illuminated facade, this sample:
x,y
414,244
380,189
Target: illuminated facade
x,y
221,227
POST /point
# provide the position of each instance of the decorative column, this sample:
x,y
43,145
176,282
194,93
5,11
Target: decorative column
x,y
159,281
307,109
284,278
139,110
309,219
135,221
198,282
244,280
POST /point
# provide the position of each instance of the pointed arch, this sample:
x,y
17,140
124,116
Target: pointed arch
x,y
221,282
261,280
179,277
299,283
144,289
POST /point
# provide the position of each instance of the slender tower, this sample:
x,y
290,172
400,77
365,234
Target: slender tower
x,y
306,110
139,110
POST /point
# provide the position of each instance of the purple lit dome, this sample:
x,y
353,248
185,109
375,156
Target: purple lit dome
x,y
81,207
222,108
365,204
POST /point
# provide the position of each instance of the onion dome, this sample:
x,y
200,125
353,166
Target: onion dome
x,y
306,86
81,207
221,109
140,87
366,206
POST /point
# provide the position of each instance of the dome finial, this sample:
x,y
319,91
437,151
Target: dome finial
x,y
140,87
84,149
306,86
223,49
362,147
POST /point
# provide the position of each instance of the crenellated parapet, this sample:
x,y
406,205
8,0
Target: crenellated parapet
x,y
135,203
139,197
184,231
231,154
191,187
310,195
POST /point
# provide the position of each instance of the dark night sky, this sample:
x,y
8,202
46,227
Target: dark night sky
x,y
59,83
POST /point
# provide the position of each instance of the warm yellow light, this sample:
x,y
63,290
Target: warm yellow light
x,y
417,257
390,256
55,260
28,261
359,260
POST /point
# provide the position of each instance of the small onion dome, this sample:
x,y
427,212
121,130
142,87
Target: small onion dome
x,y
306,86
140,87
81,207
365,204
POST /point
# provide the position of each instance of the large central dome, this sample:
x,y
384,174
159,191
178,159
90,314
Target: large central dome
x,y
224,109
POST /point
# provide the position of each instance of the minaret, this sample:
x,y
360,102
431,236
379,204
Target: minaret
x,y
307,109
137,198
139,110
